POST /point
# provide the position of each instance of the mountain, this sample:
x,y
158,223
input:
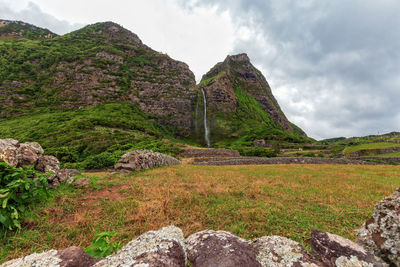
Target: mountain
x,y
18,29
92,94
101,63
240,102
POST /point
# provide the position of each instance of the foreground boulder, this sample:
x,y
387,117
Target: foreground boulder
x,y
381,234
278,251
334,250
70,257
144,159
219,248
9,151
160,248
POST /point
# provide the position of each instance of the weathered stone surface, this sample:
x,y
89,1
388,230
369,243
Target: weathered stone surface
x,y
70,257
277,251
67,175
164,247
334,250
75,257
144,159
219,248
381,233
47,258
29,153
9,151
48,163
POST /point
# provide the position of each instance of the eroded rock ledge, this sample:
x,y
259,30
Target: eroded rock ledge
x,y
378,246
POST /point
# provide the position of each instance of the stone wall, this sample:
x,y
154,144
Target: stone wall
x,y
144,159
386,159
285,160
366,152
195,153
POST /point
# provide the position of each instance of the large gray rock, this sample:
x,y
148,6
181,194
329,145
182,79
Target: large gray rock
x,y
29,153
9,151
277,251
48,164
381,233
70,257
162,248
144,159
334,250
67,175
219,248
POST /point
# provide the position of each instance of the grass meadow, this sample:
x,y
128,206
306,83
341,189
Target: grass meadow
x,y
250,201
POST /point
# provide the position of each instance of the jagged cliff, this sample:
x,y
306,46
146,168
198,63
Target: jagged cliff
x,y
239,100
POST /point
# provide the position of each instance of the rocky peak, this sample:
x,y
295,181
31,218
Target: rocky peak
x,y
18,29
238,58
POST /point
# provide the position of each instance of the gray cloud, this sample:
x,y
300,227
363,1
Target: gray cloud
x,y
333,65
34,15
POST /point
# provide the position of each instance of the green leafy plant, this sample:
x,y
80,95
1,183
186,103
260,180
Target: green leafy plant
x,y
19,188
102,246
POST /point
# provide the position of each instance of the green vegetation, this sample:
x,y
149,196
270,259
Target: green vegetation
x,y
19,189
91,138
25,30
250,201
369,146
102,245
389,155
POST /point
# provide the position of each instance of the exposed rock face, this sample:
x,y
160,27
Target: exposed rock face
x,y
277,251
144,159
119,69
225,85
334,250
164,247
381,234
219,248
70,257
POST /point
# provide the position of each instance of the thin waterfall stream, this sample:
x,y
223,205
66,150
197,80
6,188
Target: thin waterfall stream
x,y
206,129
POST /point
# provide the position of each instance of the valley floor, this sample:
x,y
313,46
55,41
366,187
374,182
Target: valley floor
x,y
250,201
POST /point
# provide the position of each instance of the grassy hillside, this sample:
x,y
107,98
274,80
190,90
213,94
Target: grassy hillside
x,y
93,137
250,201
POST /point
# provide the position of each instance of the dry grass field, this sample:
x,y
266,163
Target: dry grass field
x,y
250,201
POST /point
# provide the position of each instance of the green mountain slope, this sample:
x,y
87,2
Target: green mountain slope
x,y
18,29
240,104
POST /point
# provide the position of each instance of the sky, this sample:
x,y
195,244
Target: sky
x,y
334,66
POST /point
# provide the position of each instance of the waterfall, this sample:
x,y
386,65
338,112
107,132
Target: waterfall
x,y
206,130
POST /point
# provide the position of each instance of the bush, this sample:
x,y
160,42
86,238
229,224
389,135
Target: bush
x,y
18,189
102,246
101,161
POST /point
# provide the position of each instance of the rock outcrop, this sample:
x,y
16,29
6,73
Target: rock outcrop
x,y
144,159
163,248
18,154
278,251
70,257
219,248
334,250
380,234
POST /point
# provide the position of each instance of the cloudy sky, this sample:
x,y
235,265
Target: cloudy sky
x,y
334,66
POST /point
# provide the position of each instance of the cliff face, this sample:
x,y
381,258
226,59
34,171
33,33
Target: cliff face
x,y
98,64
238,95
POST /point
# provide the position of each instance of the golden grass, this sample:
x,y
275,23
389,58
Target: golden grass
x,y
251,201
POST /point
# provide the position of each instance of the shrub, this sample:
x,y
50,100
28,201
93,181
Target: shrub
x,y
102,246
18,189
